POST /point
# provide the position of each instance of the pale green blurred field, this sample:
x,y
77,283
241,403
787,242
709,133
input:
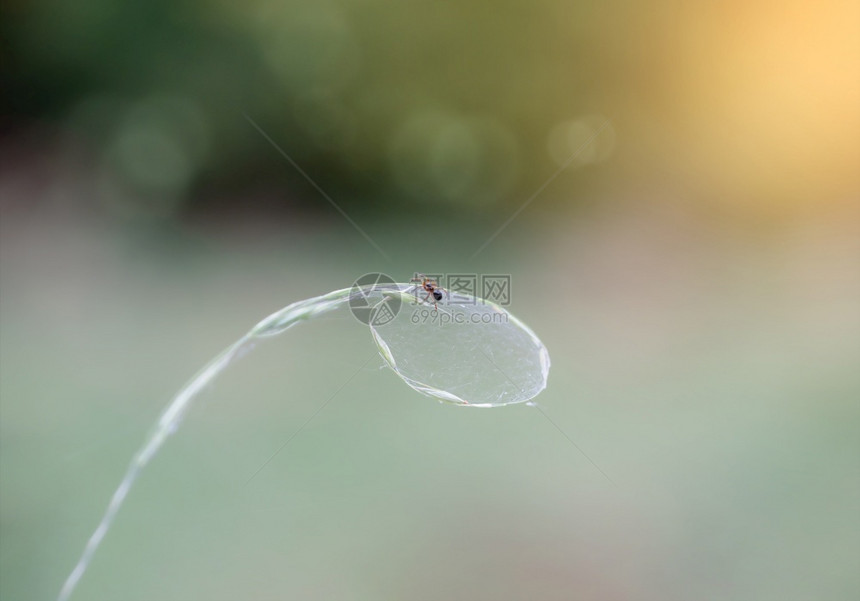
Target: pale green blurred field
x,y
688,249
710,369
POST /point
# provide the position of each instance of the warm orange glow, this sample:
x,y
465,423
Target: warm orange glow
x,y
768,100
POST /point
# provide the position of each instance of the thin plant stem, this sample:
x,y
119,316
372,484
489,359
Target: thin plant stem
x,y
514,335
172,415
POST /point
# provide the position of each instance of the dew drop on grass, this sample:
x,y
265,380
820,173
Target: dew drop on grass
x,y
467,352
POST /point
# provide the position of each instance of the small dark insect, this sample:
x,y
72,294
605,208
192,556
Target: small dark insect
x,y
431,287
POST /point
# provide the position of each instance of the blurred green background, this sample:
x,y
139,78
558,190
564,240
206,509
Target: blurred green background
x,y
694,271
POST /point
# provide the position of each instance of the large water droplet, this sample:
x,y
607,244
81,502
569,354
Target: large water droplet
x,y
468,351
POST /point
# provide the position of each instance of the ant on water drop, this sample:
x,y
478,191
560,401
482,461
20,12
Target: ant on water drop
x,y
431,287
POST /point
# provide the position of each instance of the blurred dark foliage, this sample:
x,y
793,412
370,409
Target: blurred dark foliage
x,y
405,109
388,106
